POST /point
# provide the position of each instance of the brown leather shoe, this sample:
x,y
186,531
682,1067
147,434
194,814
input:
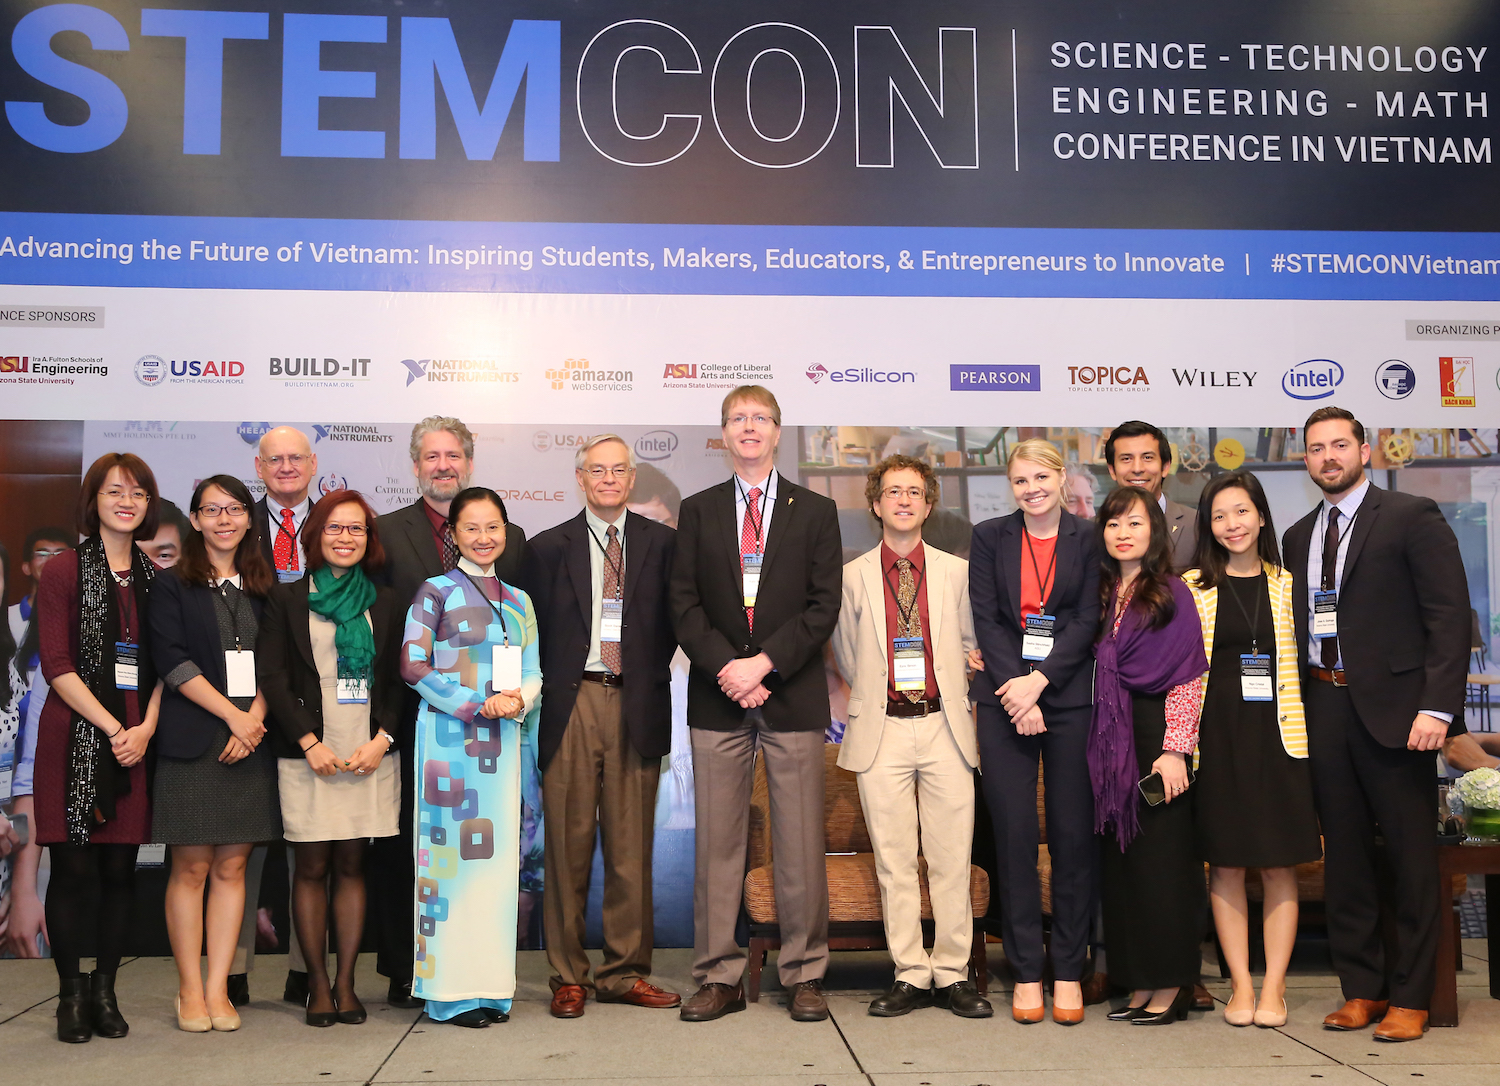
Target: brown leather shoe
x,y
1401,1024
712,1001
807,1003
1356,1014
1202,1001
643,994
1095,989
568,1001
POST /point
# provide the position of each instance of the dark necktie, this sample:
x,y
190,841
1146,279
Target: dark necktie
x,y
751,541
450,548
1328,648
609,651
908,614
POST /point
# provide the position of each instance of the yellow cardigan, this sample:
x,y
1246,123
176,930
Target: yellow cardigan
x,y
1288,683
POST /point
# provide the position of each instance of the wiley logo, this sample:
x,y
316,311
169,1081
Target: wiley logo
x,y
1216,378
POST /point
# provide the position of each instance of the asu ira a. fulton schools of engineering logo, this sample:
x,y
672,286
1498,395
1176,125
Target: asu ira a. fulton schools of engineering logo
x,y
1456,381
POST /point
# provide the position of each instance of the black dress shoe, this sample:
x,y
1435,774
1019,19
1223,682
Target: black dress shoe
x,y
1126,1013
74,1024
495,1015
239,989
104,1012
902,999
400,996
1176,1011
296,988
474,1019
963,999
352,1016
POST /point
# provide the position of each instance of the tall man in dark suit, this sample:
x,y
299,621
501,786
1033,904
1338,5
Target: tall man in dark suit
x,y
286,464
755,596
1384,630
1138,454
599,584
418,545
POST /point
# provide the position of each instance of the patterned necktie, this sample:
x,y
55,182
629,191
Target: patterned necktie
x,y
751,541
1328,648
450,548
285,548
609,651
908,614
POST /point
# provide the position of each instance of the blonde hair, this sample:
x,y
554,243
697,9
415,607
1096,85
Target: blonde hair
x,y
752,394
1037,451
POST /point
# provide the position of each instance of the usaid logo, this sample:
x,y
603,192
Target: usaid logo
x,y
816,372
1395,379
150,370
252,432
1315,379
657,445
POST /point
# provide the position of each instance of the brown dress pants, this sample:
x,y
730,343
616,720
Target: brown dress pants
x,y
596,782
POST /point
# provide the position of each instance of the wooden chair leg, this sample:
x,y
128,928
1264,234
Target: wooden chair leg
x,y
1458,942
979,960
757,961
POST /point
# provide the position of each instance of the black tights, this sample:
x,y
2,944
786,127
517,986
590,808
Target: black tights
x,y
90,884
310,900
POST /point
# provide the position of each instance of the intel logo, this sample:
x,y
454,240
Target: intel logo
x,y
657,445
1315,379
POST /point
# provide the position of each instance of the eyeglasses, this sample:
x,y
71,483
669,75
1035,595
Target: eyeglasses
x,y
43,555
739,421
915,493
116,493
234,509
358,531
599,471
292,460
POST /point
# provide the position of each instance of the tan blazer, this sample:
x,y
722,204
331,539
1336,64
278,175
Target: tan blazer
x,y
1288,683
859,646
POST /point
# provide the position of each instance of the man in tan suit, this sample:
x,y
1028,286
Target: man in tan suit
x,y
904,631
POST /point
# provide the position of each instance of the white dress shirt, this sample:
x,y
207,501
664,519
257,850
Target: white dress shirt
x,y
767,504
600,529
299,517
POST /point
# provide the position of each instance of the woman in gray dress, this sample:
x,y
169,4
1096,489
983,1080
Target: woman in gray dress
x,y
215,794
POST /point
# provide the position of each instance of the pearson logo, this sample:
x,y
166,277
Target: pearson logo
x,y
1315,379
970,378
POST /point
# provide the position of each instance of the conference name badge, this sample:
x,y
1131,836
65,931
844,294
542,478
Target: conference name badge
x,y
1255,677
354,691
127,665
505,668
750,564
239,674
1325,614
289,576
911,664
611,619
1036,642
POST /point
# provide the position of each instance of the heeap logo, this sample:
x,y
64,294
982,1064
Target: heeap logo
x,y
150,370
251,432
657,445
816,372
1395,379
327,484
1315,379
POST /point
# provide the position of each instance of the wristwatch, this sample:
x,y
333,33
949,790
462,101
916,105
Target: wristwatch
x,y
390,740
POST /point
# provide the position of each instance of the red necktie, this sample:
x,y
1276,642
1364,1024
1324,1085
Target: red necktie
x,y
285,549
751,541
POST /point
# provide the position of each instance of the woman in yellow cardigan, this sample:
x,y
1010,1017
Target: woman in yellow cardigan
x,y
1254,802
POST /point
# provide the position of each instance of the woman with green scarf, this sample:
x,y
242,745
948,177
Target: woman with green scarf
x,y
330,672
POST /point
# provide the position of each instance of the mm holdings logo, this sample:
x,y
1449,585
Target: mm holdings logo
x,y
972,378
1315,379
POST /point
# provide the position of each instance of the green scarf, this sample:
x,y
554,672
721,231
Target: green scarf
x,y
344,601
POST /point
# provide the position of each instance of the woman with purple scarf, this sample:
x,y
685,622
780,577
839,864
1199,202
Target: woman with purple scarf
x,y
1147,699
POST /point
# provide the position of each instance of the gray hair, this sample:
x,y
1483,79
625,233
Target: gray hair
x,y
436,424
599,439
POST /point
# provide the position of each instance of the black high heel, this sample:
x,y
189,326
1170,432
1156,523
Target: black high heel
x,y
1176,1011
1126,1013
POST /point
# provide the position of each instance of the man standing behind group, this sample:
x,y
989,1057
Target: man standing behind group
x,y
418,545
286,464
755,598
599,584
1140,455
904,631
1383,627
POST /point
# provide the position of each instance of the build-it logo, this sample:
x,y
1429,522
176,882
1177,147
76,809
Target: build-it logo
x,y
681,91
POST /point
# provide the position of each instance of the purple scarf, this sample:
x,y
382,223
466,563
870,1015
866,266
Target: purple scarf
x,y
1136,660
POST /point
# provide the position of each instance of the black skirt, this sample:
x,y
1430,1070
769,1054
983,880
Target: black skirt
x,y
1155,893
1253,800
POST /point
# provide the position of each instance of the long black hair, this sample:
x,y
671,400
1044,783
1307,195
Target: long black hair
x,y
1153,593
194,566
1211,557
7,639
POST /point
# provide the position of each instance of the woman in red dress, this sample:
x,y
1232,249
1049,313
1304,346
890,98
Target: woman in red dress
x,y
93,809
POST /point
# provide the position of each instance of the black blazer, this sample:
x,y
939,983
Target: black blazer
x,y
185,628
1403,612
995,594
411,556
289,677
267,530
801,588
562,593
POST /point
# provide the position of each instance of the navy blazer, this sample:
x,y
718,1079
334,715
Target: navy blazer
x,y
185,627
562,592
995,594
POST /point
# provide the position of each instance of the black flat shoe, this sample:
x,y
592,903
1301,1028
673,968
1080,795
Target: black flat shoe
x,y
1126,1013
296,988
493,1015
902,999
1176,1011
322,1018
475,1019
74,1025
104,1012
399,995
239,989
353,1016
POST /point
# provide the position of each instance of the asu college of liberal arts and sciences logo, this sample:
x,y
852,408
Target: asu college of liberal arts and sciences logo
x,y
713,374
1395,379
